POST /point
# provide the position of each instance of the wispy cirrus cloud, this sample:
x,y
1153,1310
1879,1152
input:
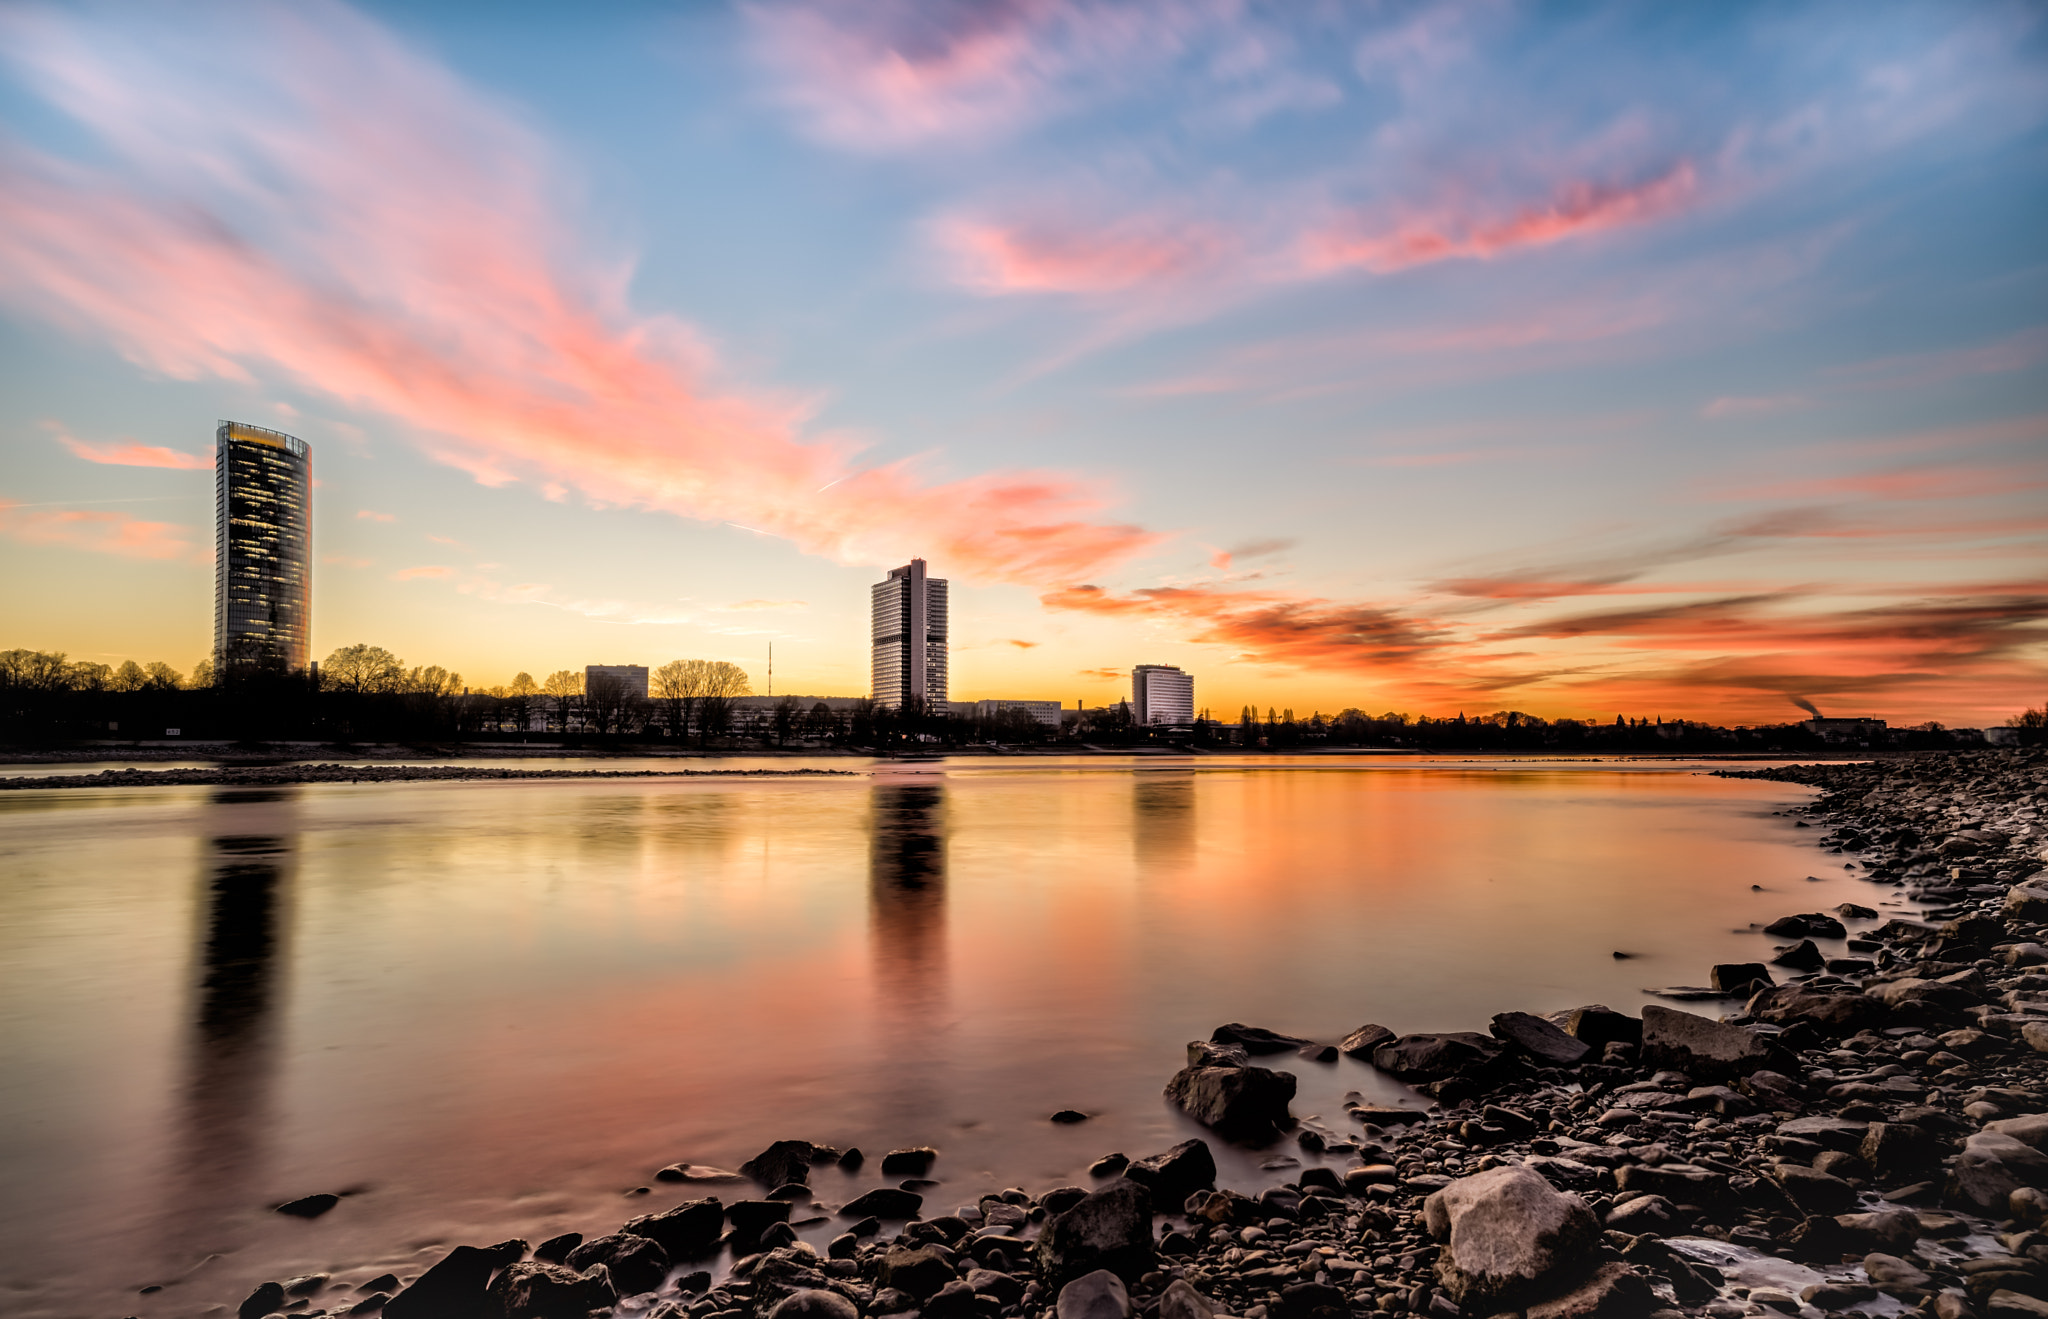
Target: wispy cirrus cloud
x,y
100,531
134,453
404,253
428,572
372,515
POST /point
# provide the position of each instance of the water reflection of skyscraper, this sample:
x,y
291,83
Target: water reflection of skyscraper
x,y
907,892
232,1047
1163,818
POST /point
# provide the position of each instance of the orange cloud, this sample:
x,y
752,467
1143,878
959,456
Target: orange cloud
x,y
131,453
434,570
369,515
97,530
1579,209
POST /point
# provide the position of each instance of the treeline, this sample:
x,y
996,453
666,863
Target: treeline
x,y
366,693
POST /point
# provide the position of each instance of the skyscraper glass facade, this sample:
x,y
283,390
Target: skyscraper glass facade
x,y
263,549
910,638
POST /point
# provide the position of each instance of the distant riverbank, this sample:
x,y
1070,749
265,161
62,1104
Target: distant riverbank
x,y
278,775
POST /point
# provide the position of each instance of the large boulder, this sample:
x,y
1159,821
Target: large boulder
x,y
918,1272
452,1289
1238,1103
1615,1291
1931,998
636,1264
1361,1042
2028,900
1173,1176
1181,1301
814,1303
1991,1167
1510,1238
1740,977
1439,1057
1704,1049
1109,1229
1810,924
1097,1295
1834,1011
688,1231
1597,1026
533,1290
1256,1039
1542,1042
780,1164
884,1202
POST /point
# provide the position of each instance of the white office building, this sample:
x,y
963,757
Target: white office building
x,y
910,639
1162,694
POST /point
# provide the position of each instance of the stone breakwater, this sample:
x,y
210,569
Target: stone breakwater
x,y
1861,1134
255,776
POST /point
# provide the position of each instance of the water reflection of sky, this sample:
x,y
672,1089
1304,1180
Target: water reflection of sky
x,y
496,1007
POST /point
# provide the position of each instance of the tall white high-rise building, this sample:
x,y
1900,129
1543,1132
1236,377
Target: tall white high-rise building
x,y
1162,694
910,638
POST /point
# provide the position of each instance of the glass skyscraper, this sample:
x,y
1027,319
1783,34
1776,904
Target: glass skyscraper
x,y
263,549
910,639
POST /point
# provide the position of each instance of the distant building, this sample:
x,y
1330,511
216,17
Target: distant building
x,y
1045,712
910,638
263,549
1846,730
1162,694
633,675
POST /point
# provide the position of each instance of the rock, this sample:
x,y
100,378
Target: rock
x,y
1645,1213
1239,1103
1930,996
1703,1049
783,1162
1438,1057
1182,1301
636,1264
814,1303
915,1161
1318,1053
1814,1191
1681,1183
1097,1295
1900,1151
549,1291
955,1300
266,1298
2003,1304
750,1218
1256,1040
1801,956
696,1172
688,1231
452,1289
1201,1053
1894,1276
1068,1116
1312,1300
1615,1291
1598,1026
1812,924
884,1202
309,1206
1833,1132
1540,1040
1855,911
1509,1238
1739,977
2027,900
918,1272
556,1249
1109,1229
2034,1035
1839,1012
1358,1044
2030,1129
1992,1166
852,1159
1171,1177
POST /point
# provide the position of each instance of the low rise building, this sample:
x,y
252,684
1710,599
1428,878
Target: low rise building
x,y
634,676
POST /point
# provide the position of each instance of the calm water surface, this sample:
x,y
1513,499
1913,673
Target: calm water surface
x,y
494,1009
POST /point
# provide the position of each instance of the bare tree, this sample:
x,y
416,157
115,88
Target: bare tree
x,y
564,685
678,685
722,682
519,698
362,668
604,702
129,677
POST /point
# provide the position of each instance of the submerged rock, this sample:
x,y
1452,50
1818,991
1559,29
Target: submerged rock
x,y
1239,1103
1548,1045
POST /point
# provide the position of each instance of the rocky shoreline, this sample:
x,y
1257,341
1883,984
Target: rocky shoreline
x,y
255,776
1858,1133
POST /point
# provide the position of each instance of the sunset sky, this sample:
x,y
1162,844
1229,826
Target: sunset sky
x,y
1578,359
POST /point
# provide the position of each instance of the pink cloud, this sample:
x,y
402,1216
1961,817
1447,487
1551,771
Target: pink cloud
x,y
1056,259
1730,405
1578,209
401,254
892,74
131,453
371,515
434,571
99,531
